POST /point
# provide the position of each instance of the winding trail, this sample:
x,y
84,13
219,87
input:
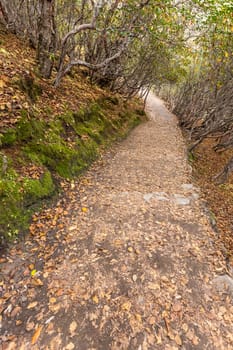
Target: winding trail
x,y
137,264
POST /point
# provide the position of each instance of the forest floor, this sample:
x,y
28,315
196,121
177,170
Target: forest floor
x,y
131,261
206,164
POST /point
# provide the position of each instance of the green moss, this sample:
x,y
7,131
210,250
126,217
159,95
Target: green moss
x,y
35,190
108,101
16,198
191,157
141,112
24,113
30,128
11,213
64,146
8,138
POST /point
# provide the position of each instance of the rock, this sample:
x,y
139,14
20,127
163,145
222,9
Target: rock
x,y
147,197
160,196
187,187
181,200
224,284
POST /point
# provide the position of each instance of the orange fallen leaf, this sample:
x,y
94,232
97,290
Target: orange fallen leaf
x,y
195,340
126,306
178,340
73,327
52,300
138,317
70,346
32,305
95,299
37,282
59,292
36,335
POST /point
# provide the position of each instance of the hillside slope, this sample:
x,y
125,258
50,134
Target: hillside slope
x,y
48,135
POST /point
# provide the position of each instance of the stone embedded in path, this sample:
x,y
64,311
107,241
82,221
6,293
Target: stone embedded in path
x,y
224,284
160,196
181,200
188,187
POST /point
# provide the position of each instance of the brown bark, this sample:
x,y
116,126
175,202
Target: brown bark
x,y
46,37
3,13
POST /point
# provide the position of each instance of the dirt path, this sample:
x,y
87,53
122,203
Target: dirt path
x,y
134,269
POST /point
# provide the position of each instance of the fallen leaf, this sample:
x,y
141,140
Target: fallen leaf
x,y
95,299
11,346
190,334
15,311
3,51
185,327
84,209
126,306
33,272
72,228
178,340
52,300
37,282
30,326
32,305
70,346
59,292
177,307
93,317
54,307
36,335
195,340
152,320
45,274
153,286
72,328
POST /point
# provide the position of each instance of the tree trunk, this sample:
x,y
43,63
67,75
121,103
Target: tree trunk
x,y
46,37
7,16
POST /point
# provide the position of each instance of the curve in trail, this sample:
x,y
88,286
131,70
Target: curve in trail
x,y
138,273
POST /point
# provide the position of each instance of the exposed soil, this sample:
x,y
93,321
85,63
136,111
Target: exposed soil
x,y
126,260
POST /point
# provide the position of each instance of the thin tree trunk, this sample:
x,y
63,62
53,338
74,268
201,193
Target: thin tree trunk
x,y
46,37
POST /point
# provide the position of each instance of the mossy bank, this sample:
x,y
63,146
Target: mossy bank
x,y
36,153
